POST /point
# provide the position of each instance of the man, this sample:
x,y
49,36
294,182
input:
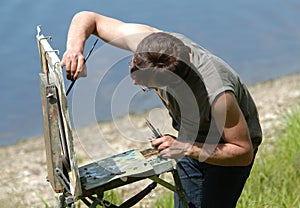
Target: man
x,y
216,118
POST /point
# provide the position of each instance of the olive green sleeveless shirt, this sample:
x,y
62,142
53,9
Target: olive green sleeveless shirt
x,y
216,77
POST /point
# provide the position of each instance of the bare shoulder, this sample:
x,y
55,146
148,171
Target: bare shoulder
x,y
225,101
134,33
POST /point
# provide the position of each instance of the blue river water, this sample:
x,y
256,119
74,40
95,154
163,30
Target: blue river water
x,y
259,39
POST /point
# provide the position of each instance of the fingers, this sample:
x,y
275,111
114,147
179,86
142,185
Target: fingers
x,y
166,153
162,142
80,65
169,147
74,62
156,142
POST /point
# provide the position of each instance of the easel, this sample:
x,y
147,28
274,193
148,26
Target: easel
x,y
88,183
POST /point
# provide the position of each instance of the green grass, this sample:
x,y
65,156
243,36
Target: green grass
x,y
166,200
275,178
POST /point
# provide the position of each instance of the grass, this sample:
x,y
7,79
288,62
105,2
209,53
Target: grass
x,y
166,200
275,177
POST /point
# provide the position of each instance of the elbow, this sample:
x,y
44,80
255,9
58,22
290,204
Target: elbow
x,y
247,157
84,15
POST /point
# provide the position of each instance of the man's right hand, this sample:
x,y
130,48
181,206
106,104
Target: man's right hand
x,y
74,63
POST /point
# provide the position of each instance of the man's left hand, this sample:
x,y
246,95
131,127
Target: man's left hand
x,y
170,147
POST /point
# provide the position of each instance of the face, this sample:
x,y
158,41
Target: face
x,y
147,80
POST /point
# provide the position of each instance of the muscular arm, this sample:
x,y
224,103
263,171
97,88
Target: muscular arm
x,y
237,149
120,34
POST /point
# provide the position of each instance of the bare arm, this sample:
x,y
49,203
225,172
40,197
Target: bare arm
x,y
237,149
120,34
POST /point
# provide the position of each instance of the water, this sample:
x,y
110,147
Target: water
x,y
260,39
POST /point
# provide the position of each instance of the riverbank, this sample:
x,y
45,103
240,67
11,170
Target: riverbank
x,y
23,165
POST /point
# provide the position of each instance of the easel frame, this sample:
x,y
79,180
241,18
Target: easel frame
x,y
64,175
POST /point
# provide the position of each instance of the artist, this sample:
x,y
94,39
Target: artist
x,y
216,118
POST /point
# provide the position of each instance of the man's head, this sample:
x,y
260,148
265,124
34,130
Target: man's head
x,y
160,60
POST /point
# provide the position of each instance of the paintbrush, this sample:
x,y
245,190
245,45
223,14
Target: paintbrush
x,y
157,134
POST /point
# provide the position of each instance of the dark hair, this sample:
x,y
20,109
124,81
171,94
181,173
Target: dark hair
x,y
158,53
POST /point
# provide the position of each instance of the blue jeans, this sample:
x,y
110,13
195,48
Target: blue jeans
x,y
211,186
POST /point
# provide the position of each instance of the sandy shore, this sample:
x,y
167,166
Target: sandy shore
x,y
23,165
